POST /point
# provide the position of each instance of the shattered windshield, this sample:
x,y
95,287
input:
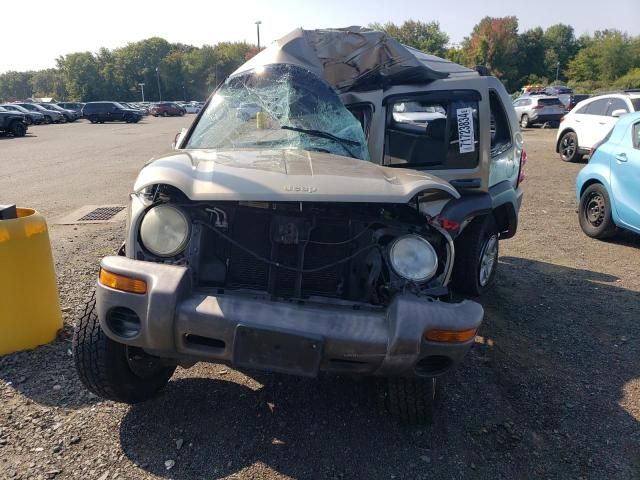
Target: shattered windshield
x,y
279,107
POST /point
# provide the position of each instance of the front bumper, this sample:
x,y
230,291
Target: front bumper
x,y
179,322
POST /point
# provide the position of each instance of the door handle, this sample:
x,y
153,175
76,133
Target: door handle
x,y
621,157
602,123
577,121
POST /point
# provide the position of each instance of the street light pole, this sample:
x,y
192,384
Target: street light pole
x,y
258,23
184,93
142,87
557,71
159,89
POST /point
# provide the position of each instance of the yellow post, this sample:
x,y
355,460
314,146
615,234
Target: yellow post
x,y
261,121
29,307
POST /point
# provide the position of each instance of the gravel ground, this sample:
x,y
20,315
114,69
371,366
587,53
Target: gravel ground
x,y
551,389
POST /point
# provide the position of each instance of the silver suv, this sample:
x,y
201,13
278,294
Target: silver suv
x,y
538,110
324,234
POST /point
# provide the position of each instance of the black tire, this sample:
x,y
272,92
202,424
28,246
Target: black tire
x,y
476,257
93,118
165,114
47,120
568,147
594,212
106,367
524,121
18,129
411,401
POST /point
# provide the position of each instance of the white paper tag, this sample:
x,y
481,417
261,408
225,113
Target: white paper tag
x,y
466,142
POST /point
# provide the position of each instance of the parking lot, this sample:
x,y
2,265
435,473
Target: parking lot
x,y
550,390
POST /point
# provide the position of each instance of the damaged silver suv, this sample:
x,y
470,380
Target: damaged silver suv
x,y
322,232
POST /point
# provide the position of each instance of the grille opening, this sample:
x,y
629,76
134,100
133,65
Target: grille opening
x,y
124,322
433,365
204,341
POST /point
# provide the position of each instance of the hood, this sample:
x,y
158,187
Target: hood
x,y
286,176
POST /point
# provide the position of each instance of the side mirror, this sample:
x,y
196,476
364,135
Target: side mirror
x,y
618,113
177,140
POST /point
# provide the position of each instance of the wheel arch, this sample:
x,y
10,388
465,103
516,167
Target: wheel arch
x,y
562,134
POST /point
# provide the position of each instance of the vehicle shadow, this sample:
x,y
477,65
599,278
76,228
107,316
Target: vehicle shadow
x,y
541,395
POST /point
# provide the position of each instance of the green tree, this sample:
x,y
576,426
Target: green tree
x,y
531,56
49,83
423,36
15,85
561,46
606,56
494,44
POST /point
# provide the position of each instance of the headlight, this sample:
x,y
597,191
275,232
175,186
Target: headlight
x,y
413,258
165,231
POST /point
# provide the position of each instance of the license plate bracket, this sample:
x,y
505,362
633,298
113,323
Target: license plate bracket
x,y
277,351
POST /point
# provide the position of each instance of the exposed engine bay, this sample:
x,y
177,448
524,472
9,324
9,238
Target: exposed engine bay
x,y
355,252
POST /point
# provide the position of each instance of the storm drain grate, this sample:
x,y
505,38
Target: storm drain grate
x,y
101,214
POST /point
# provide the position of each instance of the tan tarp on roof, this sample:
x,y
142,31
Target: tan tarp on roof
x,y
355,58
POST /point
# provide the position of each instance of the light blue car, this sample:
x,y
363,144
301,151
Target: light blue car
x,y
608,188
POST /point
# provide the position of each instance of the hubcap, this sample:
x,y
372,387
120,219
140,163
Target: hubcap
x,y
488,259
595,209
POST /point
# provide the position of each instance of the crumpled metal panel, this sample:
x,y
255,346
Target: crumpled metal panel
x,y
355,58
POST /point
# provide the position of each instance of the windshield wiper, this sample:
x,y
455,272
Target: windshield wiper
x,y
343,142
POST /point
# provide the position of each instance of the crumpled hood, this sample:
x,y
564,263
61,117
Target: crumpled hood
x,y
285,175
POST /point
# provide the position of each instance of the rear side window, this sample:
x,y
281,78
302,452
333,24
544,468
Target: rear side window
x,y
438,130
636,135
500,130
617,104
597,107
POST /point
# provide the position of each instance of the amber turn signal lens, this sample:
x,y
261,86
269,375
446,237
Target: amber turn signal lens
x,y
451,336
120,282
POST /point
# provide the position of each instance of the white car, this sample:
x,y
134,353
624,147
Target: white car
x,y
193,107
591,120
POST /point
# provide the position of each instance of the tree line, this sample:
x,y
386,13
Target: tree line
x,y
603,60
173,71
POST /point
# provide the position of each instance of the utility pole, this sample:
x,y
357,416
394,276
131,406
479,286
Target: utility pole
x,y
159,89
142,87
258,23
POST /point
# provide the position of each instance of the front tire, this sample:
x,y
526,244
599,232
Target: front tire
x,y
594,212
18,129
47,120
569,147
411,401
476,260
112,370
524,121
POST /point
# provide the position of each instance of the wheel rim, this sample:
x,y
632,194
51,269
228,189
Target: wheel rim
x,y
488,259
568,146
595,209
524,122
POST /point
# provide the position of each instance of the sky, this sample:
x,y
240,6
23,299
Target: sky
x,y
44,30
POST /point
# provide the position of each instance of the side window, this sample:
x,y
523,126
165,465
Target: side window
x,y
363,113
500,130
617,104
636,136
597,107
438,130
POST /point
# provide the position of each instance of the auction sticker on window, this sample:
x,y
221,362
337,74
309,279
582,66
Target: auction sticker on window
x,y
466,141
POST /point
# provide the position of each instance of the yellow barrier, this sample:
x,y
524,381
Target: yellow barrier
x,y
29,307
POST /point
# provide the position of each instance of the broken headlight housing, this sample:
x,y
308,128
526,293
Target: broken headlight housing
x,y
165,230
413,258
